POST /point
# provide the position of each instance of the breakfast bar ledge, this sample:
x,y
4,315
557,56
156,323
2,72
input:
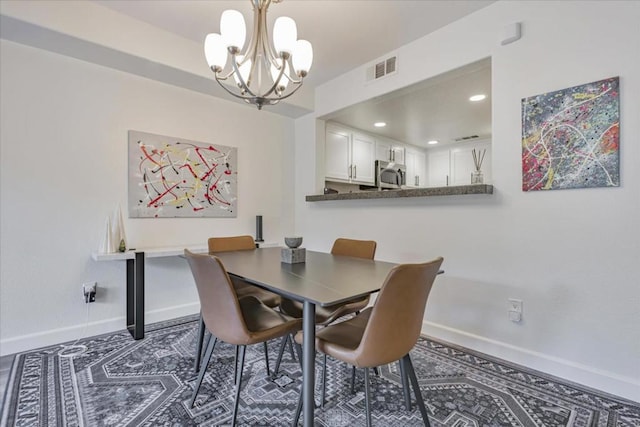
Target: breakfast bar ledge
x,y
457,190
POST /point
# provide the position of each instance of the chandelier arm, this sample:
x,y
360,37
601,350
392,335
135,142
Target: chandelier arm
x,y
293,71
298,86
236,70
246,98
275,82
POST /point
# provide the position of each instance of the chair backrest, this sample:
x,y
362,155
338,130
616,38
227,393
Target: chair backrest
x,y
397,315
234,243
355,248
218,301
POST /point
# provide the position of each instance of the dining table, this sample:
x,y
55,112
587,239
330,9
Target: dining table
x,y
322,280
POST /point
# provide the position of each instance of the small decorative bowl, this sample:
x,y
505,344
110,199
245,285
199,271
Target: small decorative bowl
x,y
293,242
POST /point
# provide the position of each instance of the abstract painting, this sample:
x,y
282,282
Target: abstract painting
x,y
571,137
174,177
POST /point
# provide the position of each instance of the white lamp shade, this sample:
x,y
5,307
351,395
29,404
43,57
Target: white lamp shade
x,y
233,29
302,56
215,51
285,34
275,72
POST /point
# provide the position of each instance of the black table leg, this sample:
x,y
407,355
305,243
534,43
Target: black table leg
x,y
135,296
308,363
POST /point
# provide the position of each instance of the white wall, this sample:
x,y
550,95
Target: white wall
x,y
571,256
63,150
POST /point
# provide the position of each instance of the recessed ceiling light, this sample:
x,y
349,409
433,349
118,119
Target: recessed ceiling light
x,y
476,98
379,124
432,142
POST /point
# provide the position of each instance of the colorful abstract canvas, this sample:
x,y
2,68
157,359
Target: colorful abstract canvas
x,y
571,137
173,177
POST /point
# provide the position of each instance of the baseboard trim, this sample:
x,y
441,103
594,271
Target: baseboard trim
x,y
588,376
62,335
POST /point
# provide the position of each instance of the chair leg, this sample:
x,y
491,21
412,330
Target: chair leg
x,y
416,389
296,417
235,366
299,352
405,385
324,380
290,340
283,344
266,357
203,369
238,385
367,397
199,342
353,380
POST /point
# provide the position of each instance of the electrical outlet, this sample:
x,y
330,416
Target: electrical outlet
x,y
515,310
89,291
515,305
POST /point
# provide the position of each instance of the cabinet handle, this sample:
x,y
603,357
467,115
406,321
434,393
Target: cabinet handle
x,y
447,180
390,158
350,169
417,180
393,156
355,174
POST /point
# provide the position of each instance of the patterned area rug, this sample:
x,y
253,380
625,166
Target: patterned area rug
x,y
122,382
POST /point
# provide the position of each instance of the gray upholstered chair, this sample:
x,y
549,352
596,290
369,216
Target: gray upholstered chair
x,y
240,322
386,332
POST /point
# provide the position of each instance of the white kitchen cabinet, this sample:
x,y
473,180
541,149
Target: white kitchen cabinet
x,y
454,166
438,168
349,156
416,163
390,152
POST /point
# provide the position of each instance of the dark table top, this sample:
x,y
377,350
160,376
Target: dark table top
x,y
324,279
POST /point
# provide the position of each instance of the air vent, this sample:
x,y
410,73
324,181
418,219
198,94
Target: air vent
x,y
382,69
466,138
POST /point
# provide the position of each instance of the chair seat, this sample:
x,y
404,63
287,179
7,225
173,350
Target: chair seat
x,y
324,315
264,323
340,340
244,289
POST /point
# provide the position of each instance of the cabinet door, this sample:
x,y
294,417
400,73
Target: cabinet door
x,y
420,169
383,151
337,155
461,166
416,162
397,155
438,168
363,159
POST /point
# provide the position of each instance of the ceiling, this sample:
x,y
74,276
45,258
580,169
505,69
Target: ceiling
x,y
435,109
346,34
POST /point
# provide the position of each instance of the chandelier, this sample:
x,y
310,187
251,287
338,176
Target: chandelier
x,y
264,72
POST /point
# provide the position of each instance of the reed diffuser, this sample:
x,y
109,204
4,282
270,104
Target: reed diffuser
x,y
478,157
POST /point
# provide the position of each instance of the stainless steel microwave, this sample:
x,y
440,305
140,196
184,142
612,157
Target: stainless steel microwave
x,y
390,175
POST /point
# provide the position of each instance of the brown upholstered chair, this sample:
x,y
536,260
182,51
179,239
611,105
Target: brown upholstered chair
x,y
386,332
236,321
242,288
325,315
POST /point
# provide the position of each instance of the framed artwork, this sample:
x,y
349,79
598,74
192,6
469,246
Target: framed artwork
x,y
571,137
177,178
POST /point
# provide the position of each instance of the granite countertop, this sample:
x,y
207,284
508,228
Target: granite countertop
x,y
411,192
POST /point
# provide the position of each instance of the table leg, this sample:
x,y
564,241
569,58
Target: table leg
x,y
131,302
308,363
135,296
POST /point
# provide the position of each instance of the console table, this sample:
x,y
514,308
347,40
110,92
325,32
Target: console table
x,y
135,279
